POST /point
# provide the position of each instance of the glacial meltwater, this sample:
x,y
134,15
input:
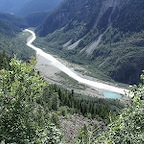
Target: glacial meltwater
x,y
112,95
51,60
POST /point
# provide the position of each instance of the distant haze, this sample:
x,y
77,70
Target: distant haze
x,y
25,7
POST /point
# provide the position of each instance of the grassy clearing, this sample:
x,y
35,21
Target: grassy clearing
x,y
69,82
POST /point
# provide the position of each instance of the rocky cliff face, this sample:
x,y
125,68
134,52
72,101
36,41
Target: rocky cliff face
x,y
107,33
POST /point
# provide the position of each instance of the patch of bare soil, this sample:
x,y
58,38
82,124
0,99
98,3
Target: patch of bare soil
x,y
71,127
52,75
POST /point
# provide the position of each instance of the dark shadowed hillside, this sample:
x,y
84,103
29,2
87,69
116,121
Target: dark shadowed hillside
x,y
15,20
25,7
7,28
12,41
35,19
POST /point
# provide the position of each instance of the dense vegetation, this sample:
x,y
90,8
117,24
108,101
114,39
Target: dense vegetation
x,y
13,19
29,108
108,36
35,19
4,60
12,39
129,125
126,128
15,43
91,107
7,28
23,119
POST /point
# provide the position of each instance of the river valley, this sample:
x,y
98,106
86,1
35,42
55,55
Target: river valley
x,y
56,66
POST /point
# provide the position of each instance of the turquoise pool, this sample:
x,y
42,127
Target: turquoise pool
x,y
112,95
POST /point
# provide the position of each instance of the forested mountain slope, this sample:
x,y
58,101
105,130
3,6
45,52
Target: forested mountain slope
x,y
25,7
12,41
35,19
13,19
7,28
107,34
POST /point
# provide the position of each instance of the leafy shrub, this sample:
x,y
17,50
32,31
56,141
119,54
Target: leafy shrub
x,y
22,119
129,125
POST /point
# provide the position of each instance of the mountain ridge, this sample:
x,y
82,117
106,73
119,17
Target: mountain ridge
x,y
26,7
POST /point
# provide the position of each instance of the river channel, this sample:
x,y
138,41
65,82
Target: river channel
x,y
69,72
